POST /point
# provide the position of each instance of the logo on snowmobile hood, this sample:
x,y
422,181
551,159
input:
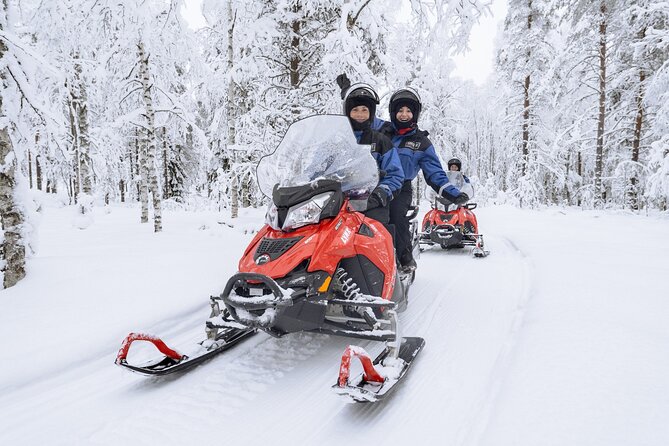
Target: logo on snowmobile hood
x,y
262,259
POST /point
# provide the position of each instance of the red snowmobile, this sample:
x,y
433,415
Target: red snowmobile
x,y
454,228
317,265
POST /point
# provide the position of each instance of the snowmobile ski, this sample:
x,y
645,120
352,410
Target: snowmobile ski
x,y
174,361
379,377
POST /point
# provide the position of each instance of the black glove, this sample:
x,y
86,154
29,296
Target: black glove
x,y
377,199
344,83
462,198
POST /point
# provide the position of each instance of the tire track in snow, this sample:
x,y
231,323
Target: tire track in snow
x,y
479,416
173,327
224,388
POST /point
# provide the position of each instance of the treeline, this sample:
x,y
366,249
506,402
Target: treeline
x,y
122,101
581,114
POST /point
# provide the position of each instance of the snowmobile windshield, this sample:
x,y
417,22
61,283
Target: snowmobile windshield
x,y
320,147
458,180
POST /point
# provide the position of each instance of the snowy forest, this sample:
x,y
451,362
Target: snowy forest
x,y
124,101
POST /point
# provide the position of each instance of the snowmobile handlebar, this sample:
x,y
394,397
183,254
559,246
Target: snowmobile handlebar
x,y
412,212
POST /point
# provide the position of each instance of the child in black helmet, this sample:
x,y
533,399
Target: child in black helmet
x,y
360,106
454,165
416,153
459,179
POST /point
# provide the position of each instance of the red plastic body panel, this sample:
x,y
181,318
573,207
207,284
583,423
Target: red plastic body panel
x,y
436,217
326,243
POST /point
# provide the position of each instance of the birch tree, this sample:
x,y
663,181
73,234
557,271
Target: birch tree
x,y
21,68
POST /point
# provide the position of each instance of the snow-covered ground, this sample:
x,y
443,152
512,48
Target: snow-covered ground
x,y
559,337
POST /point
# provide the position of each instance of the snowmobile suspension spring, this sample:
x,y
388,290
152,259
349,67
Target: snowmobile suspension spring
x,y
348,287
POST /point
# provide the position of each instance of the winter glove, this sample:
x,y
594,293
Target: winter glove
x,y
377,199
344,83
462,198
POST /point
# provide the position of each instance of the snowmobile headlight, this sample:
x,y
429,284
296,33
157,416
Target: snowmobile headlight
x,y
306,213
272,216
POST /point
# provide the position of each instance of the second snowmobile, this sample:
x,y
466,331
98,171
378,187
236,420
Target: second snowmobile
x,y
453,226
317,265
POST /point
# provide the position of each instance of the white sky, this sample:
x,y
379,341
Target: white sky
x,y
191,12
476,65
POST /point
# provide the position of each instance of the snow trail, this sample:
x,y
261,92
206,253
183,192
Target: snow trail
x,y
522,347
477,421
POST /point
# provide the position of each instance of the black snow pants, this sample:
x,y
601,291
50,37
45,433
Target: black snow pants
x,y
398,217
382,215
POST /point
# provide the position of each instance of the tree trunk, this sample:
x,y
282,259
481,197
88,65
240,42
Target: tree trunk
x,y
80,103
234,197
139,175
151,138
636,142
132,167
11,214
121,187
166,176
246,193
30,159
38,172
13,248
232,115
599,192
295,46
295,56
526,126
526,103
143,174
30,169
76,172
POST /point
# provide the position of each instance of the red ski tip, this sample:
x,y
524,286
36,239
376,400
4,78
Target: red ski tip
x,y
370,373
160,345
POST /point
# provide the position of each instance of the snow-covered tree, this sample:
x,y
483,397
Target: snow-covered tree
x,y
21,106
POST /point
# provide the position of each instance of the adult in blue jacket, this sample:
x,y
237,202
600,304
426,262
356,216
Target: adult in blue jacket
x,y
360,102
416,153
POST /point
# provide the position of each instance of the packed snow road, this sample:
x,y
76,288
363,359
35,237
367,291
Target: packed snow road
x,y
485,322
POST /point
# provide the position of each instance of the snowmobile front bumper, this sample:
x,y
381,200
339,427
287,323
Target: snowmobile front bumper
x,y
257,301
444,235
254,300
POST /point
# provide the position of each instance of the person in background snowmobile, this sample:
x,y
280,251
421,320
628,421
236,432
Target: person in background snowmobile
x,y
360,102
416,153
455,165
461,181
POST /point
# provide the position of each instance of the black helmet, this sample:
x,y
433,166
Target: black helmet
x,y
361,94
404,97
456,162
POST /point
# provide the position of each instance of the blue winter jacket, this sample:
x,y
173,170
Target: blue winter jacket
x,y
416,152
386,158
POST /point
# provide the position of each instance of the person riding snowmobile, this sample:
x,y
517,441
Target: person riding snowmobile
x,y
416,153
360,107
458,179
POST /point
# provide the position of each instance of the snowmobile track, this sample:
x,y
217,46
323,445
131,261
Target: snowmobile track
x,y
478,418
